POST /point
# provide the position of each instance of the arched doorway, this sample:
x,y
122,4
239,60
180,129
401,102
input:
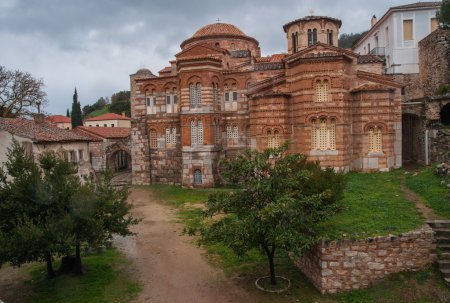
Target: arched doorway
x,y
120,160
445,115
412,141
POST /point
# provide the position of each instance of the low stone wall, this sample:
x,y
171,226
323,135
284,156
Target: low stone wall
x,y
340,266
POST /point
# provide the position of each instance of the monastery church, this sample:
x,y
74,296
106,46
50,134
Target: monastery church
x,y
220,96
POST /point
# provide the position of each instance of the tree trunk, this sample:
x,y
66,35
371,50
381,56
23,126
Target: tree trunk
x,y
270,255
50,272
78,265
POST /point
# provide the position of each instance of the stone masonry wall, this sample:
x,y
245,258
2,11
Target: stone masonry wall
x,y
340,266
412,86
434,61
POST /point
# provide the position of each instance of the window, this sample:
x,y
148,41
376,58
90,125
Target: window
x,y
310,39
314,36
80,155
153,139
197,177
229,132
235,132
171,101
73,157
171,136
196,132
227,93
434,24
375,139
273,138
235,94
97,125
199,94
105,125
368,48
323,134
215,95
150,100
322,90
216,132
329,37
195,94
112,125
295,42
407,30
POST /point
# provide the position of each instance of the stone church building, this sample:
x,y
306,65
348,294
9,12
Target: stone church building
x,y
220,96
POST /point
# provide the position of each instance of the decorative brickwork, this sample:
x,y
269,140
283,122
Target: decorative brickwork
x,y
227,101
341,266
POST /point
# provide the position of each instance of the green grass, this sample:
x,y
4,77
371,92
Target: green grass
x,y
374,206
104,281
98,112
429,186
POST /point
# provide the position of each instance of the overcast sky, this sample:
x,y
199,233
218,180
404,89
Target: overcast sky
x,y
96,44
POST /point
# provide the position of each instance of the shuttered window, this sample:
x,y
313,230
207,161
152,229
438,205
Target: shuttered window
x,y
407,30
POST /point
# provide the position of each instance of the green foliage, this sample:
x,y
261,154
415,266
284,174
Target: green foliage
x,y
68,114
443,90
277,201
432,189
46,209
443,15
77,119
98,112
349,40
104,282
120,103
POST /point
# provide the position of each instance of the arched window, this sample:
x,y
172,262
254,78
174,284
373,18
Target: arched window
x,y
193,133
153,138
227,93
215,95
192,95
199,132
323,134
229,132
310,39
216,132
175,100
235,93
199,94
330,37
198,177
314,36
276,138
171,136
150,100
269,139
322,90
375,139
235,132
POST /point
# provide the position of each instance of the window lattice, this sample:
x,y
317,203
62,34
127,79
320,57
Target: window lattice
x,y
235,132
375,139
168,137
174,135
229,132
171,135
323,135
199,94
276,139
200,132
193,133
322,91
216,133
269,139
153,139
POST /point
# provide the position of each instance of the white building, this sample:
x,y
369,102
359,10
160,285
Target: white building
x,y
108,120
397,34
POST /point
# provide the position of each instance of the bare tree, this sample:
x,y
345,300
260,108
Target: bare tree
x,y
20,93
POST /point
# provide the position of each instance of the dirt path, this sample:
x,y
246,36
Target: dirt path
x,y
169,267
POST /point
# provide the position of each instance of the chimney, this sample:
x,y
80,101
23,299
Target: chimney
x,y
374,20
39,118
123,114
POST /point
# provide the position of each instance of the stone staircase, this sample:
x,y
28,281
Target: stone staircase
x,y
441,229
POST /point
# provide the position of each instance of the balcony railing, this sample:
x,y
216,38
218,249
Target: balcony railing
x,y
377,51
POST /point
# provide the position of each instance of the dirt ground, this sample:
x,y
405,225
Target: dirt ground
x,y
170,268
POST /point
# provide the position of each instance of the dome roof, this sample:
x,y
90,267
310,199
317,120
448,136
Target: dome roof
x,y
144,71
219,29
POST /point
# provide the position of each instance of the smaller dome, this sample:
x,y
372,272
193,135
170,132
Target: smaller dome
x,y
144,71
218,29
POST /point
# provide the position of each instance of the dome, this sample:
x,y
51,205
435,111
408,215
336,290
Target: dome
x,y
219,29
144,71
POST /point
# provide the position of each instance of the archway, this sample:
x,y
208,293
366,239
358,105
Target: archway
x,y
411,138
445,115
120,160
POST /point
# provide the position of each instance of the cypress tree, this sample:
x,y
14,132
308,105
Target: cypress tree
x,y
77,119
68,113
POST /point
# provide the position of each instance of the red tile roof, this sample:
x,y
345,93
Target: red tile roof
x,y
105,132
370,59
219,29
272,58
108,116
39,132
58,119
418,5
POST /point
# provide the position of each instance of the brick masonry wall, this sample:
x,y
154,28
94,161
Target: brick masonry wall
x,y
434,61
340,266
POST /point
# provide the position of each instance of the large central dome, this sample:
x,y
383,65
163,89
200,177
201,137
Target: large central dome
x,y
219,29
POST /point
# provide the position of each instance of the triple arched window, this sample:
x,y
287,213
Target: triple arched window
x,y
273,138
322,90
323,133
196,132
195,94
375,139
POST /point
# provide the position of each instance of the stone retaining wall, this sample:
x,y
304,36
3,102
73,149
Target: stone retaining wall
x,y
340,266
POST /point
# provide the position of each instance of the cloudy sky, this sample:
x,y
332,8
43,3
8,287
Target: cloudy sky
x,y
95,45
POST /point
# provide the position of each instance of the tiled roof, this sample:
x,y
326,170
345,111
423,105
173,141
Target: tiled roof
x,y
166,69
105,132
58,119
218,29
312,18
272,58
418,5
369,59
108,116
39,132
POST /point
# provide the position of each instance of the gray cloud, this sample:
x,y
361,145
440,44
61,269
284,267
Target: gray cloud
x,y
95,45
